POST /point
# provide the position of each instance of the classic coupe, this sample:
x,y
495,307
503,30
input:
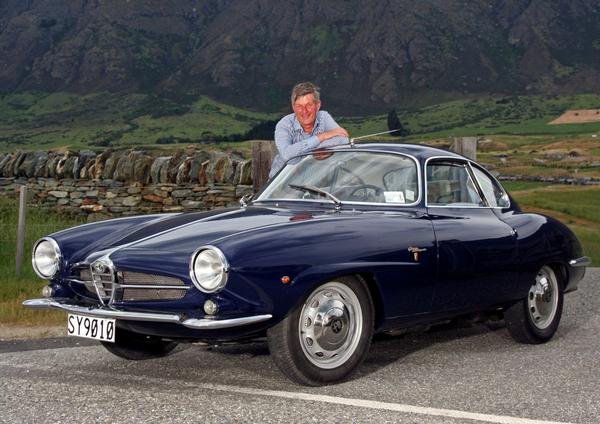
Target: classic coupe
x,y
340,245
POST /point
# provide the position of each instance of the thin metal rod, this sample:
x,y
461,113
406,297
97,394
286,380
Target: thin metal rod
x,y
351,142
21,231
372,135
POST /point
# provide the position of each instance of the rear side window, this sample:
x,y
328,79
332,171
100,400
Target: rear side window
x,y
494,194
450,184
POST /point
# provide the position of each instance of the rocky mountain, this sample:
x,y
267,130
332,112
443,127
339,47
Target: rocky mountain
x,y
368,55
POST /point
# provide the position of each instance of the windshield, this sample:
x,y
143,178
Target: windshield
x,y
350,176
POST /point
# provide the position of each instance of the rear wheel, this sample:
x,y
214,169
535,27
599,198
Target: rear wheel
x,y
536,318
135,346
327,336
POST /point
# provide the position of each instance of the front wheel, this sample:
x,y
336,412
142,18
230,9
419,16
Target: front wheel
x,y
326,336
135,346
536,318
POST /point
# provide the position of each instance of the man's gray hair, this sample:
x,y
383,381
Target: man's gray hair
x,y
305,88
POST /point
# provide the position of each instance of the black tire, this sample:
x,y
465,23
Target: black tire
x,y
535,319
337,321
137,347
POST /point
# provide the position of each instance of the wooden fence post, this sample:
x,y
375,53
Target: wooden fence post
x,y
466,146
21,231
263,153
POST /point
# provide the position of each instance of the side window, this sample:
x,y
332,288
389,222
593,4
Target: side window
x,y
450,184
494,194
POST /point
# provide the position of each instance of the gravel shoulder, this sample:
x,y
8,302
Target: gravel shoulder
x,y
27,332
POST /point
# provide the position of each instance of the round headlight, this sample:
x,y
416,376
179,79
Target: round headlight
x,y
208,269
46,258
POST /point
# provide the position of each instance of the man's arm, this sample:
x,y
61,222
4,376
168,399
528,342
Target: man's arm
x,y
333,134
284,141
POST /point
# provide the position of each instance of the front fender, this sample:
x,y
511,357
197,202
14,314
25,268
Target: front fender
x,y
76,242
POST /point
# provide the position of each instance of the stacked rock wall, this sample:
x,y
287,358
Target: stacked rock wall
x,y
115,183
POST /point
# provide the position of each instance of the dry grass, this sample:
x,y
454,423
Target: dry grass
x,y
579,116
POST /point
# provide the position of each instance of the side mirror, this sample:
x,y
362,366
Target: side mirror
x,y
504,201
245,199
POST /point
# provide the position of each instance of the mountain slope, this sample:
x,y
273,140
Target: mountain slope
x,y
367,55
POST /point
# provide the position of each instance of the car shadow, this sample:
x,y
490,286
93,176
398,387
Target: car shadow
x,y
388,349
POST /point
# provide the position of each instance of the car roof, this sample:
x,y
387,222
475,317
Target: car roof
x,y
419,151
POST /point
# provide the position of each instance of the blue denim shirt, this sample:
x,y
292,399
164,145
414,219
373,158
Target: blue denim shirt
x,y
291,140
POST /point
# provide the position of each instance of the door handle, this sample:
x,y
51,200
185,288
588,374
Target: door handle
x,y
416,251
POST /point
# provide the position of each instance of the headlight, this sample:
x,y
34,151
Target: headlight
x,y
208,269
46,258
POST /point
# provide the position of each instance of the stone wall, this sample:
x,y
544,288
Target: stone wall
x,y
552,180
115,183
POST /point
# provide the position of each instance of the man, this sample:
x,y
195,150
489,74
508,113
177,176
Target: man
x,y
307,128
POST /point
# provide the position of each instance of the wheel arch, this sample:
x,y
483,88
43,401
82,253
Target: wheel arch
x,y
369,280
560,270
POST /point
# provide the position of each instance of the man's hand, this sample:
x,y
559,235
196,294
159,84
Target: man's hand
x,y
339,131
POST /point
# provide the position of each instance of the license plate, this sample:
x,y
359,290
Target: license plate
x,y
102,329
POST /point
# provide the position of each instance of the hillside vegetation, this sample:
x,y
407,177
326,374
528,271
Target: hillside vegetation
x,y
521,115
37,120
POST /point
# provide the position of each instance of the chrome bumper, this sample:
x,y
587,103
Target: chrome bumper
x,y
576,272
196,324
583,261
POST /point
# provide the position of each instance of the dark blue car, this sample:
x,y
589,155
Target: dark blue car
x,y
341,244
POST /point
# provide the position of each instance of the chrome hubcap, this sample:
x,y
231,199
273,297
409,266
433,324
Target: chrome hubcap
x,y
330,325
542,300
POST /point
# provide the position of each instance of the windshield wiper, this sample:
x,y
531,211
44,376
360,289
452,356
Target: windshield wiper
x,y
318,191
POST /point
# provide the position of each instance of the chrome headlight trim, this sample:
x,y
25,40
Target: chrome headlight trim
x,y
57,252
224,269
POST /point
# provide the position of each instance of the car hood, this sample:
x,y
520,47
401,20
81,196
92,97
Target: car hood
x,y
171,249
185,239
188,237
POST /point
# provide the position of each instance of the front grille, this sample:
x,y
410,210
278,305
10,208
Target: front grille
x,y
131,294
151,287
129,277
129,286
85,277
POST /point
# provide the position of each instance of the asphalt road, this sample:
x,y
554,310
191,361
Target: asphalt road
x,y
458,375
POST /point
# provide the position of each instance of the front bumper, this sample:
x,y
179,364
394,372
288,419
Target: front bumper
x,y
576,272
105,312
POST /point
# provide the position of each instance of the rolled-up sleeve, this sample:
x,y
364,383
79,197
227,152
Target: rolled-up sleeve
x,y
284,139
328,123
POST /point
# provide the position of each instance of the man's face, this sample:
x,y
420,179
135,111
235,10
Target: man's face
x,y
306,108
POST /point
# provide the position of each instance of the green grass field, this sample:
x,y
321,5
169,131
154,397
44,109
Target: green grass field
x,y
13,290
576,206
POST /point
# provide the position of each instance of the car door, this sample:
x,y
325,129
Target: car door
x,y
476,250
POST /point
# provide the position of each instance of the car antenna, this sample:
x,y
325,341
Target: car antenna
x,y
370,135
